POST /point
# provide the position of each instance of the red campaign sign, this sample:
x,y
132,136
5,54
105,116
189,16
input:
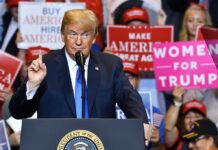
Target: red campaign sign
x,y
9,68
134,43
209,34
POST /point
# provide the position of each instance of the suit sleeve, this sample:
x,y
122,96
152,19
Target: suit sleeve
x,y
20,107
128,99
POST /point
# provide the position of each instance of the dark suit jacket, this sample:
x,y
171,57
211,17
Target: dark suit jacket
x,y
106,86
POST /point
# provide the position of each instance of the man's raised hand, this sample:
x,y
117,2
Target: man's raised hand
x,y
36,72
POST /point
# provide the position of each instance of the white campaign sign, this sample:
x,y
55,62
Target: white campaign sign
x,y
40,23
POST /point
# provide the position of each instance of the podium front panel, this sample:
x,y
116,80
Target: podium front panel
x,y
45,134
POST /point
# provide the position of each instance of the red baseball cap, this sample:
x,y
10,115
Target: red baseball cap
x,y
135,13
131,67
11,3
194,104
34,52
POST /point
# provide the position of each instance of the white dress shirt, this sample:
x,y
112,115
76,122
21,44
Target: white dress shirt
x,y
73,69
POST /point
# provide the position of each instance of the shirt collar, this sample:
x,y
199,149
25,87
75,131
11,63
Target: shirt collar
x,y
72,62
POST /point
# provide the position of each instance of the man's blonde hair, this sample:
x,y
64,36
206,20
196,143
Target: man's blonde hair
x,y
83,18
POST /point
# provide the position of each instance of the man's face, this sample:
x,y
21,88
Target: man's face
x,y
14,12
77,39
201,143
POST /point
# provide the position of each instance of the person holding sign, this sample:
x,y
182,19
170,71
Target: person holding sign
x,y
134,13
10,28
195,16
13,137
180,118
131,70
52,83
5,95
203,136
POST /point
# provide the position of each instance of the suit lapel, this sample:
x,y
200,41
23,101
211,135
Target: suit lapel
x,y
93,80
65,81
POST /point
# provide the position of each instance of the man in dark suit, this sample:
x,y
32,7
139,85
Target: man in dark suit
x,y
50,87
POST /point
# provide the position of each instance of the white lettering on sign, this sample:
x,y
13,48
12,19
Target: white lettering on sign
x,y
129,57
139,36
185,65
135,47
4,77
213,48
185,80
175,51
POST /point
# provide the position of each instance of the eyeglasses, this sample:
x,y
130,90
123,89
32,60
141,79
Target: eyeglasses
x,y
74,35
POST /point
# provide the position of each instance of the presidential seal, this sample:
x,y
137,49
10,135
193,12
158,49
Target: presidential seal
x,y
80,140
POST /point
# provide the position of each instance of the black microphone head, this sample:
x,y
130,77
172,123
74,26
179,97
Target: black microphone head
x,y
80,59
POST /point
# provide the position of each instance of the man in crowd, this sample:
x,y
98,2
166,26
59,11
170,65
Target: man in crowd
x,y
203,136
180,118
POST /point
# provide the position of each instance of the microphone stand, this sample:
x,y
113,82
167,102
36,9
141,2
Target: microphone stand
x,y
83,91
80,60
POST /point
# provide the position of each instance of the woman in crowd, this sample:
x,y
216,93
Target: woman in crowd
x,y
180,118
195,16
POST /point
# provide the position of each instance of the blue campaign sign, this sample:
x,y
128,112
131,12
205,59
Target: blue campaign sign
x,y
147,101
4,144
120,114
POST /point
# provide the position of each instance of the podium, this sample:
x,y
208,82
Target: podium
x,y
94,134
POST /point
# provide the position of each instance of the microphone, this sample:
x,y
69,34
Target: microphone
x,y
80,59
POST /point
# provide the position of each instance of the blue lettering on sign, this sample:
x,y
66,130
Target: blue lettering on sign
x,y
50,11
50,29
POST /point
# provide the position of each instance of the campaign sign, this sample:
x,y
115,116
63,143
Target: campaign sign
x,y
147,101
4,144
210,36
154,5
40,23
188,64
9,68
134,43
207,33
